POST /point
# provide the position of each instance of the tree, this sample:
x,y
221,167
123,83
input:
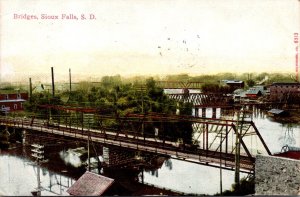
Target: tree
x,y
250,82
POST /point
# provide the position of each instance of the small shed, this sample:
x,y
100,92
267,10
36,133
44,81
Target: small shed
x,y
277,112
90,184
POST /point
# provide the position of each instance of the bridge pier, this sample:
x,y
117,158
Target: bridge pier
x,y
214,112
196,112
23,137
115,157
203,112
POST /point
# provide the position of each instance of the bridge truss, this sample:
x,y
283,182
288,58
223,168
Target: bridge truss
x,y
213,139
179,85
203,99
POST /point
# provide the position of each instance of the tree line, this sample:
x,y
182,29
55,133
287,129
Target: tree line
x,y
116,98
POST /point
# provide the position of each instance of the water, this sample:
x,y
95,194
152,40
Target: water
x,y
18,174
277,134
198,179
19,178
190,178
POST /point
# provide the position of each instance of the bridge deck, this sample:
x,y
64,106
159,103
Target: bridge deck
x,y
140,143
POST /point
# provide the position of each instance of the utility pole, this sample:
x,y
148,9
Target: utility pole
x,y
53,89
238,138
221,185
30,90
143,126
70,79
142,89
89,136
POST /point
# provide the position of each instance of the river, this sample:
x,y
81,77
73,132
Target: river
x,y
197,179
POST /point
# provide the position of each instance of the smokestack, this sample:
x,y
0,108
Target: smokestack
x,y
30,90
53,90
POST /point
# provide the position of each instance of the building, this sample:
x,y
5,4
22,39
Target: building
x,y
281,91
12,100
255,92
234,84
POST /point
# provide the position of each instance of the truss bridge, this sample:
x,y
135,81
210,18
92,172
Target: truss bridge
x,y
213,141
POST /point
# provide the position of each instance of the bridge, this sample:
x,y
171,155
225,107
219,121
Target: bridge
x,y
202,100
179,84
215,140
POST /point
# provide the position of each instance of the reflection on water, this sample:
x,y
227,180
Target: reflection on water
x,y
198,179
190,178
277,134
274,133
19,177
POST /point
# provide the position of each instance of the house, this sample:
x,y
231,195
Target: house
x,y
234,84
239,94
280,91
255,92
12,100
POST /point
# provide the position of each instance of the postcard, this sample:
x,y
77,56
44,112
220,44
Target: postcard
x,y
160,97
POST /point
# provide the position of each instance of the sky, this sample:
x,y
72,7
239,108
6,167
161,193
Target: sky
x,y
142,37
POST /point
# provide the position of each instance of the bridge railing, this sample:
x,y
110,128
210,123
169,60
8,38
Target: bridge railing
x,y
214,138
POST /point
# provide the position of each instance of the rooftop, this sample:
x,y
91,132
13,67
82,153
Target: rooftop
x,y
281,83
233,81
276,111
90,184
290,154
253,91
12,100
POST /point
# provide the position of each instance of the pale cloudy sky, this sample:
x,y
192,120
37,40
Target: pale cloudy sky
x,y
131,37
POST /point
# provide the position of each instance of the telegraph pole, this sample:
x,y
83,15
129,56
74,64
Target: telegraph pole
x,y
221,185
52,75
30,90
238,138
89,136
70,79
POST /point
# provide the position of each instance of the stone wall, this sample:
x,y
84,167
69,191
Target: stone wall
x,y
277,176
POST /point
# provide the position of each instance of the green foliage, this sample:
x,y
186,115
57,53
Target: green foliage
x,y
247,186
44,98
114,98
8,87
215,79
250,82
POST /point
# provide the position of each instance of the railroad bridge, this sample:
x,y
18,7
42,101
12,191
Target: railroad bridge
x,y
179,84
203,100
214,140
